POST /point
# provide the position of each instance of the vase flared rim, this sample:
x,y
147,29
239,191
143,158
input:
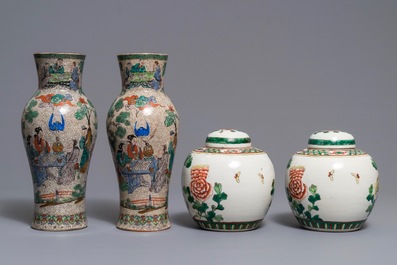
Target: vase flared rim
x,y
143,55
64,55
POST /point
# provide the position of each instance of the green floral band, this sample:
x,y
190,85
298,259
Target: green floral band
x,y
330,142
218,140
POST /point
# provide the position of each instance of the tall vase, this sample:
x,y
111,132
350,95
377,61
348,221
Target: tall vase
x,y
142,127
59,127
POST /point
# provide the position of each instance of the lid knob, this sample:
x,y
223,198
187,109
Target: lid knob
x,y
331,139
228,138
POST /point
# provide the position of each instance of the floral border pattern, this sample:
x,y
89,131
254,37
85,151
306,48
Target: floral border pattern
x,y
143,220
47,219
331,152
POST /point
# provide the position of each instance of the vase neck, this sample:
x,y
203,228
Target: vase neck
x,y
142,70
62,70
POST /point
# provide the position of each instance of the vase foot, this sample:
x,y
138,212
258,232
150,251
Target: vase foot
x,y
327,226
143,223
55,222
228,226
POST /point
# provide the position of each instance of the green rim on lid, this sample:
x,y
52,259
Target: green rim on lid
x,y
331,139
228,138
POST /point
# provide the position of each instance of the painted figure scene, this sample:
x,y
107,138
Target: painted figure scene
x,y
142,128
59,127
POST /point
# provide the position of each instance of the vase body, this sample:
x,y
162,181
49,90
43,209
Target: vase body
x,y
228,185
332,186
142,127
59,127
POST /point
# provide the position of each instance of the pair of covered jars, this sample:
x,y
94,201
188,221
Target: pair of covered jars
x,y
228,185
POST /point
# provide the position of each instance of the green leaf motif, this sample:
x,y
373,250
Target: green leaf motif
x,y
311,199
170,119
371,189
370,197
80,114
288,195
374,163
141,101
123,186
111,112
317,218
220,207
90,103
289,163
32,104
218,218
313,189
186,190
314,198
272,191
219,197
123,118
57,98
200,207
369,209
31,115
218,188
300,208
118,105
308,215
120,132
315,207
190,198
188,161
210,215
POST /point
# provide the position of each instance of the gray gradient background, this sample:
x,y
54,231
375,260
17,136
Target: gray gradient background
x,y
278,70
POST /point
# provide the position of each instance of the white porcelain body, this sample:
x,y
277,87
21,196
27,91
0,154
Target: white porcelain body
x,y
343,183
248,181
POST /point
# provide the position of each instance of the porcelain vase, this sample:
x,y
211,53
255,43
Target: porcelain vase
x,y
331,185
59,126
142,127
228,185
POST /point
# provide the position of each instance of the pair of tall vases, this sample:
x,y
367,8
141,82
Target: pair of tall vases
x,y
59,128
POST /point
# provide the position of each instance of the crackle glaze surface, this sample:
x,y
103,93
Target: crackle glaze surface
x,y
59,127
331,186
142,127
228,185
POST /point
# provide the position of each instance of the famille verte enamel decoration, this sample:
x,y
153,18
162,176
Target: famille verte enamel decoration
x,y
59,126
142,127
228,185
331,185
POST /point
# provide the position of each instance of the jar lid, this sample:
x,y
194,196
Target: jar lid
x,y
228,138
331,139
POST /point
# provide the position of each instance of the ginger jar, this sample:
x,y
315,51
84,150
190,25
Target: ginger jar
x,y
228,185
331,185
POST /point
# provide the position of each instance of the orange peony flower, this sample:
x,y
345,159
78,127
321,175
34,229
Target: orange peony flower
x,y
297,189
199,186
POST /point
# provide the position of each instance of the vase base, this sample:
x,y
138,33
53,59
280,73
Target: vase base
x,y
228,226
143,223
326,226
47,222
